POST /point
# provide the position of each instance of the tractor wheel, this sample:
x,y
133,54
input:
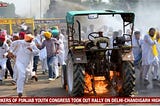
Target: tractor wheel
x,y
75,78
63,77
128,78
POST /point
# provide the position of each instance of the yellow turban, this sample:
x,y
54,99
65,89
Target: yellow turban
x,y
28,37
47,35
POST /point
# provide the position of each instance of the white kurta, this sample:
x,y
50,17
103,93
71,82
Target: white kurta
x,y
147,54
23,58
29,69
37,40
148,59
61,55
43,58
3,59
137,50
14,51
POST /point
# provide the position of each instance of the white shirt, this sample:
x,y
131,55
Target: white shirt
x,y
24,55
3,50
147,54
137,47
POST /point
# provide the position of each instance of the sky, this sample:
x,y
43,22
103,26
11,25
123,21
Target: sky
x,y
29,8
144,11
20,5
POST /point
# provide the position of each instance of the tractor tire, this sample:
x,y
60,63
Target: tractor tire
x,y
75,78
128,77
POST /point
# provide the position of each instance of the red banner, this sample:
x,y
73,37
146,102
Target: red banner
x,y
68,100
3,4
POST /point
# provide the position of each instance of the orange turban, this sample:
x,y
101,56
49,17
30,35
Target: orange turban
x,y
28,37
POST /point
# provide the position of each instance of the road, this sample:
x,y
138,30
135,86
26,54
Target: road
x,y
150,90
53,88
42,87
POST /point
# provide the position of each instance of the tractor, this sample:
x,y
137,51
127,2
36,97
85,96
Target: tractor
x,y
99,45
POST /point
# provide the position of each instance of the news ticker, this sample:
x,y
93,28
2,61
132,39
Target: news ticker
x,y
83,100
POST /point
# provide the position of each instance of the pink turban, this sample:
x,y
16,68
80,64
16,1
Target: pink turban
x,y
22,35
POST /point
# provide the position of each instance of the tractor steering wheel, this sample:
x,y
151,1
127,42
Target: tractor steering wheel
x,y
93,35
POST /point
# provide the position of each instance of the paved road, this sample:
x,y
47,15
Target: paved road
x,y
53,88
32,88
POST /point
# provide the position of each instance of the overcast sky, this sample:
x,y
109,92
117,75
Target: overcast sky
x,y
23,7
20,5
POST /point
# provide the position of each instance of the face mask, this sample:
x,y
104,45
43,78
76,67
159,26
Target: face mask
x,y
1,44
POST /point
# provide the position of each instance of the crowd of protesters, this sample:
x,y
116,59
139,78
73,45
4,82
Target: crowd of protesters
x,y
24,49
146,52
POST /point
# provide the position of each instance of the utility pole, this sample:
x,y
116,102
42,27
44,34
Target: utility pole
x,y
40,8
30,8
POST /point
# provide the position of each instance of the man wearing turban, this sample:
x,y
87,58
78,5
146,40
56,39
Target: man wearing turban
x,y
25,50
52,47
61,56
150,56
21,35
